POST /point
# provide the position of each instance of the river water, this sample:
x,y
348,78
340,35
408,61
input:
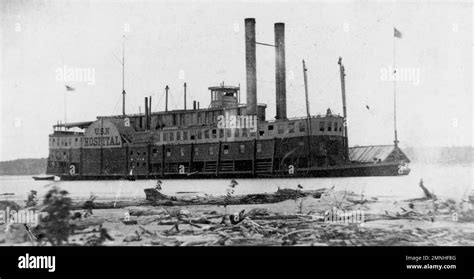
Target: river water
x,y
451,181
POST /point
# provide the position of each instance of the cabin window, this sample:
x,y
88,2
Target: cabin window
x,y
138,153
280,128
291,127
242,149
226,149
253,134
196,151
335,126
321,126
199,135
244,132
221,133
261,133
182,151
236,133
165,136
214,133
76,139
228,132
158,137
211,150
340,128
172,136
185,135
329,126
270,127
155,152
178,135
192,137
302,127
206,134
168,152
53,140
259,147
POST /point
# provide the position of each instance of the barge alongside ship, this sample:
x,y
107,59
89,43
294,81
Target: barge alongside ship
x,y
227,139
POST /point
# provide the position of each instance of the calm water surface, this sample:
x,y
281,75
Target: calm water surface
x,y
451,181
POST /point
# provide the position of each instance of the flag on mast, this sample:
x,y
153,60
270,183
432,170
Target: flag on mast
x,y
69,88
397,33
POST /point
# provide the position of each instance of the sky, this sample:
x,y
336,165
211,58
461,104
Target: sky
x,y
202,43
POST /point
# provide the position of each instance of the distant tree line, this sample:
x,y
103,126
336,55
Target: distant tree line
x,y
23,167
440,155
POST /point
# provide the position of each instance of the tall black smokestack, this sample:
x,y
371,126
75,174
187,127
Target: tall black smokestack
x,y
146,113
280,71
149,113
251,66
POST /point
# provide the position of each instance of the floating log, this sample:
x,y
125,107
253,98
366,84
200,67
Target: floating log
x,y
155,198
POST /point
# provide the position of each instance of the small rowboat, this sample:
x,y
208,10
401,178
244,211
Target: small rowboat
x,y
48,177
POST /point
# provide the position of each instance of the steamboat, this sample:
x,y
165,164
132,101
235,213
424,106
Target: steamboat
x,y
228,139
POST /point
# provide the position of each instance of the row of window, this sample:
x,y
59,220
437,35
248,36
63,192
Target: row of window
x,y
329,126
243,132
211,150
62,141
219,133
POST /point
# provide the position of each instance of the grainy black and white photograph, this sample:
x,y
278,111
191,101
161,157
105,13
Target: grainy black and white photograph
x,y
236,123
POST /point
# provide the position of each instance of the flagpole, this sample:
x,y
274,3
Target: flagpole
x,y
65,107
394,91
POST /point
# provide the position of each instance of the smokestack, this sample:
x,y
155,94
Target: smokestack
x,y
280,71
149,114
251,66
185,96
166,104
146,113
194,105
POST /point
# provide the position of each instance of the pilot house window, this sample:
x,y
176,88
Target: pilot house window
x,y
280,128
321,126
302,127
291,127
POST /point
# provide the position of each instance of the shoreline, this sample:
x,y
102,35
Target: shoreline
x,y
298,221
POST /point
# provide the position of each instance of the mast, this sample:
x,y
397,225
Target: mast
x,y
166,103
123,75
306,96
308,130
185,96
395,141
343,90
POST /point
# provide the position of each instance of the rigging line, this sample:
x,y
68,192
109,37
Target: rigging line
x,y
159,100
